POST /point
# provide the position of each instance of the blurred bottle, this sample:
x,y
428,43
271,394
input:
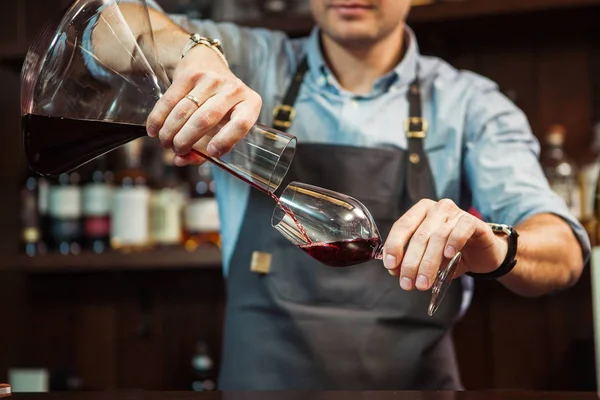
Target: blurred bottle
x,y
166,205
129,227
32,242
64,210
590,172
204,374
97,201
561,171
201,214
43,190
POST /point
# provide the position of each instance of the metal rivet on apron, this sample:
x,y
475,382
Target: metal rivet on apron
x,y
261,262
414,158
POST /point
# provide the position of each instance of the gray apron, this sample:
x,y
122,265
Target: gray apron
x,y
305,326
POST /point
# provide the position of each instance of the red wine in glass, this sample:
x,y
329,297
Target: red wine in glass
x,y
343,253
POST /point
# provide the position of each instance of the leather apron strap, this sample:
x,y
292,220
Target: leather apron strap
x,y
284,114
419,180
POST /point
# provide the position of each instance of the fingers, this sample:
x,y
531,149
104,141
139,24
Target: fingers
x,y
465,227
242,119
218,101
169,100
188,159
410,266
424,239
401,233
433,259
186,107
207,117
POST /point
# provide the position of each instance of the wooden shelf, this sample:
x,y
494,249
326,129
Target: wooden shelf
x,y
437,12
462,9
159,259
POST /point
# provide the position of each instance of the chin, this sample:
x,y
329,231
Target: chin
x,y
353,36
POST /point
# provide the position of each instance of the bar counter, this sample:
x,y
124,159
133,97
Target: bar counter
x,y
377,395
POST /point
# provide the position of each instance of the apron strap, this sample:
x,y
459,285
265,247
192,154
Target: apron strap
x,y
419,180
284,113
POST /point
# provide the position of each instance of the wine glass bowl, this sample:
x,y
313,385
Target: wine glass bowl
x,y
332,227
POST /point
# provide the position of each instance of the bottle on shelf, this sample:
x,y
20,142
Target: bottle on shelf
x,y
43,190
201,213
561,172
64,211
166,205
202,363
589,174
97,202
32,242
129,227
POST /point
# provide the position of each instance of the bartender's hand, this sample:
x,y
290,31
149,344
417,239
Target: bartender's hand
x,y
434,232
226,111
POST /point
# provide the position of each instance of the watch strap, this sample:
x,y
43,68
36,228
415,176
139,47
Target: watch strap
x,y
509,261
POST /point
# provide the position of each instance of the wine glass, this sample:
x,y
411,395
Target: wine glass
x,y
339,231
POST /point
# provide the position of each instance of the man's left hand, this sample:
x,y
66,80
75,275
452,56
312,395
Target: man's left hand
x,y
428,235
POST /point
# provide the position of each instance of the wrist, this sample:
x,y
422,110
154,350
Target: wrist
x,y
504,250
169,44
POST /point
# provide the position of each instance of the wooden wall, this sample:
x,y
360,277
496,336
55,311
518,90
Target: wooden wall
x,y
91,321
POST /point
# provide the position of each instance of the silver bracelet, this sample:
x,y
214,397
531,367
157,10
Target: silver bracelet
x,y
214,44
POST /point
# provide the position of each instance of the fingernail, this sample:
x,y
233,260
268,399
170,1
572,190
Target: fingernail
x,y
389,261
406,283
422,282
212,150
391,272
449,252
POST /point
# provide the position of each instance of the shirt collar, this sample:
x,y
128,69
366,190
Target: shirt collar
x,y
401,76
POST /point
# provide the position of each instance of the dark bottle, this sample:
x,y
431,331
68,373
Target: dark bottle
x,y
202,363
64,209
32,242
97,200
43,190
201,214
166,204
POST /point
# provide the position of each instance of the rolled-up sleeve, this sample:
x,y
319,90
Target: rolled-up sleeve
x,y
502,165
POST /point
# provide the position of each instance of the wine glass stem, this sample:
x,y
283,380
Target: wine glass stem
x,y
378,255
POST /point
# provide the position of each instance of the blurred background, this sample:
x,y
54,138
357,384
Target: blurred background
x,y
79,311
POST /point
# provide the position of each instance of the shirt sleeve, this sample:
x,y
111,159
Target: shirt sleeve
x,y
502,164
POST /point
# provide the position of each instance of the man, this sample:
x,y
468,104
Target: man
x,y
299,324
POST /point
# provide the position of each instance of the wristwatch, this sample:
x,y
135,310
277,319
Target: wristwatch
x,y
510,260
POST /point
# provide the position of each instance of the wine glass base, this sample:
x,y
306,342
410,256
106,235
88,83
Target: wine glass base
x,y
442,283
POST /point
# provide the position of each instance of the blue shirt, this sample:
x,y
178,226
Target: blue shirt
x,y
480,146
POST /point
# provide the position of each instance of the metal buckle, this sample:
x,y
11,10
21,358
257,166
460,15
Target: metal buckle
x,y
500,228
418,134
285,108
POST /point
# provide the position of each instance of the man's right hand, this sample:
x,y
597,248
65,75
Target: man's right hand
x,y
226,109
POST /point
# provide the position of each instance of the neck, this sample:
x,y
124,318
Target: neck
x,y
358,67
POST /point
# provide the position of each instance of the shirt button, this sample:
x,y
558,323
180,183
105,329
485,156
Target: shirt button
x,y
354,103
393,89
